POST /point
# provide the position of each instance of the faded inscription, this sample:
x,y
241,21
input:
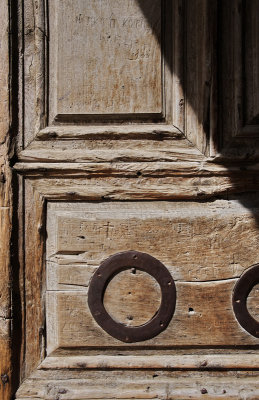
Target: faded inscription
x,y
108,57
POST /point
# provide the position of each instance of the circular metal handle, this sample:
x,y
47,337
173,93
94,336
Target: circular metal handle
x,y
243,287
111,267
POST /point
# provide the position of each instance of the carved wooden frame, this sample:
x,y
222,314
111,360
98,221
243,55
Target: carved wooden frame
x,y
35,133
38,191
34,100
36,32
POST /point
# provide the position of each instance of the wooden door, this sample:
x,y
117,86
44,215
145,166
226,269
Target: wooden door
x,y
136,162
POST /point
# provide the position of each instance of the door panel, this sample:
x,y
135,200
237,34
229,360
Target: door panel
x,y
200,246
240,72
112,58
122,148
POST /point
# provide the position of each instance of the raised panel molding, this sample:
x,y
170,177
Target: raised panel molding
x,y
207,96
106,60
215,227
180,104
137,45
240,69
86,234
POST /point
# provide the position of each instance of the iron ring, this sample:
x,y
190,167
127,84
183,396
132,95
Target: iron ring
x,y
111,267
243,287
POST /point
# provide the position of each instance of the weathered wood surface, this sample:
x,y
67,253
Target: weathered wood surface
x,y
203,317
120,169
253,303
5,210
33,73
199,120
211,227
139,187
137,180
147,385
201,70
200,245
112,56
183,361
145,82
204,245
133,288
111,150
34,282
110,131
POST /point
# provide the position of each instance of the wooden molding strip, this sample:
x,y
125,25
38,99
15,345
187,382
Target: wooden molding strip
x,y
186,168
215,361
6,377
110,131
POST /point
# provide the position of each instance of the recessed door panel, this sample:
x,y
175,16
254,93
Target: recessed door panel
x,y
198,245
106,58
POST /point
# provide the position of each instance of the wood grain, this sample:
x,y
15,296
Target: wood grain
x,y
147,385
200,72
140,83
137,188
198,244
203,317
103,189
137,300
5,210
111,131
191,239
183,361
34,282
112,55
253,302
32,90
111,150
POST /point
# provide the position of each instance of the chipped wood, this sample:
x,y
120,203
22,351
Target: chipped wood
x,y
34,282
187,361
111,151
147,385
141,187
159,131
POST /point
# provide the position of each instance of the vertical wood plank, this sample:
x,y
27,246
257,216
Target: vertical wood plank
x,y
201,21
5,209
251,54
231,112
34,279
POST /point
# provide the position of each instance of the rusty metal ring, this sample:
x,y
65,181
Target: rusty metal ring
x,y
111,267
243,287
